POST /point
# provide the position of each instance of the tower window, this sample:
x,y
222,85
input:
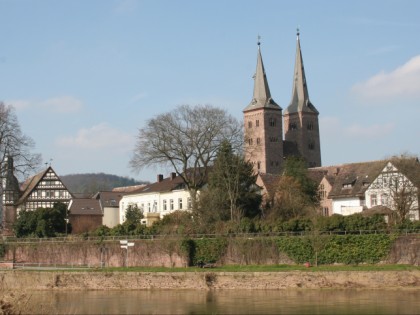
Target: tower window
x,y
292,126
249,124
257,123
258,165
258,140
311,146
272,122
310,126
250,141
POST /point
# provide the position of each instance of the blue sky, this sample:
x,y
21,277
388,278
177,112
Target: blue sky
x,y
84,76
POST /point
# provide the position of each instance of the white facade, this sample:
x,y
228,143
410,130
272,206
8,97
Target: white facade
x,y
156,202
383,189
347,206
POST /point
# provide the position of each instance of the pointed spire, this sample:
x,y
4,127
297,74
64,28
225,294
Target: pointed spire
x,y
300,96
262,95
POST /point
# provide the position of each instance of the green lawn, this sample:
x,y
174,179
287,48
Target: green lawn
x,y
257,268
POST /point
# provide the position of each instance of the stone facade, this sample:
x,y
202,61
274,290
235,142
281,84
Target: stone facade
x,y
265,145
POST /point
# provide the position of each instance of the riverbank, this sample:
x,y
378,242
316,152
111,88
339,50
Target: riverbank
x,y
97,280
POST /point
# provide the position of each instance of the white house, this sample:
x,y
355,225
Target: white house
x,y
158,199
358,186
390,186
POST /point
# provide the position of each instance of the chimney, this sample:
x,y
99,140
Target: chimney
x,y
173,175
160,178
336,171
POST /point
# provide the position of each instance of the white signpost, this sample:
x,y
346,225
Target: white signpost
x,y
124,244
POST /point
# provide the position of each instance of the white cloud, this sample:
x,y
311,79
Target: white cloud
x,y
401,83
99,137
373,131
62,104
19,104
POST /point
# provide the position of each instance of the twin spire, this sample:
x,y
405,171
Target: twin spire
x,y
300,97
262,95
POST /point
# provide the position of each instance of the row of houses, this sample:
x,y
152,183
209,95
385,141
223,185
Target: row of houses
x,y
343,189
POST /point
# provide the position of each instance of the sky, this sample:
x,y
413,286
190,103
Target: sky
x,y
84,76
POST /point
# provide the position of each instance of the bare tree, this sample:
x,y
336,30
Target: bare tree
x,y
404,185
15,144
187,139
398,186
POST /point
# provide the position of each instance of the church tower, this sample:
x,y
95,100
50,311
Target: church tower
x,y
263,125
301,117
10,196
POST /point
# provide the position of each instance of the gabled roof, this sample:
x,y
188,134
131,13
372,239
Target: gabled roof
x,y
31,183
108,198
350,180
85,206
262,96
300,97
165,185
270,182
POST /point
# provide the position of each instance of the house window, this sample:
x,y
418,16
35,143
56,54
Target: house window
x,y
180,203
292,126
164,205
148,207
257,123
373,200
325,211
250,141
189,204
171,204
384,199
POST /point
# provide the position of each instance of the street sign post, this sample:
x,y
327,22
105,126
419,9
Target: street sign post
x,y
124,244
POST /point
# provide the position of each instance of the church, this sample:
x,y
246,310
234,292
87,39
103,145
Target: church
x,y
271,133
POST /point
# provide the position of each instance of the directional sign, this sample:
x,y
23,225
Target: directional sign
x,y
130,244
124,246
123,242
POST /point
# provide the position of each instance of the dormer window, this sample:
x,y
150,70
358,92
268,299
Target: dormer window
x,y
347,186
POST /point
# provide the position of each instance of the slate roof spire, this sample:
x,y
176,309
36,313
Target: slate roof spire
x,y
300,96
262,96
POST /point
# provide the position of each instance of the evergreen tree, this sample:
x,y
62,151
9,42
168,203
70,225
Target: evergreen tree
x,y
232,192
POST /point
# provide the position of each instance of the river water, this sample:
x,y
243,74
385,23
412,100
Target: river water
x,y
323,301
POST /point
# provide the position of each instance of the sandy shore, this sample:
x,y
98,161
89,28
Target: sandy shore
x,y
62,280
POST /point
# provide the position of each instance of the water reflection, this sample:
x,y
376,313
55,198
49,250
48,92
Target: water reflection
x,y
228,302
